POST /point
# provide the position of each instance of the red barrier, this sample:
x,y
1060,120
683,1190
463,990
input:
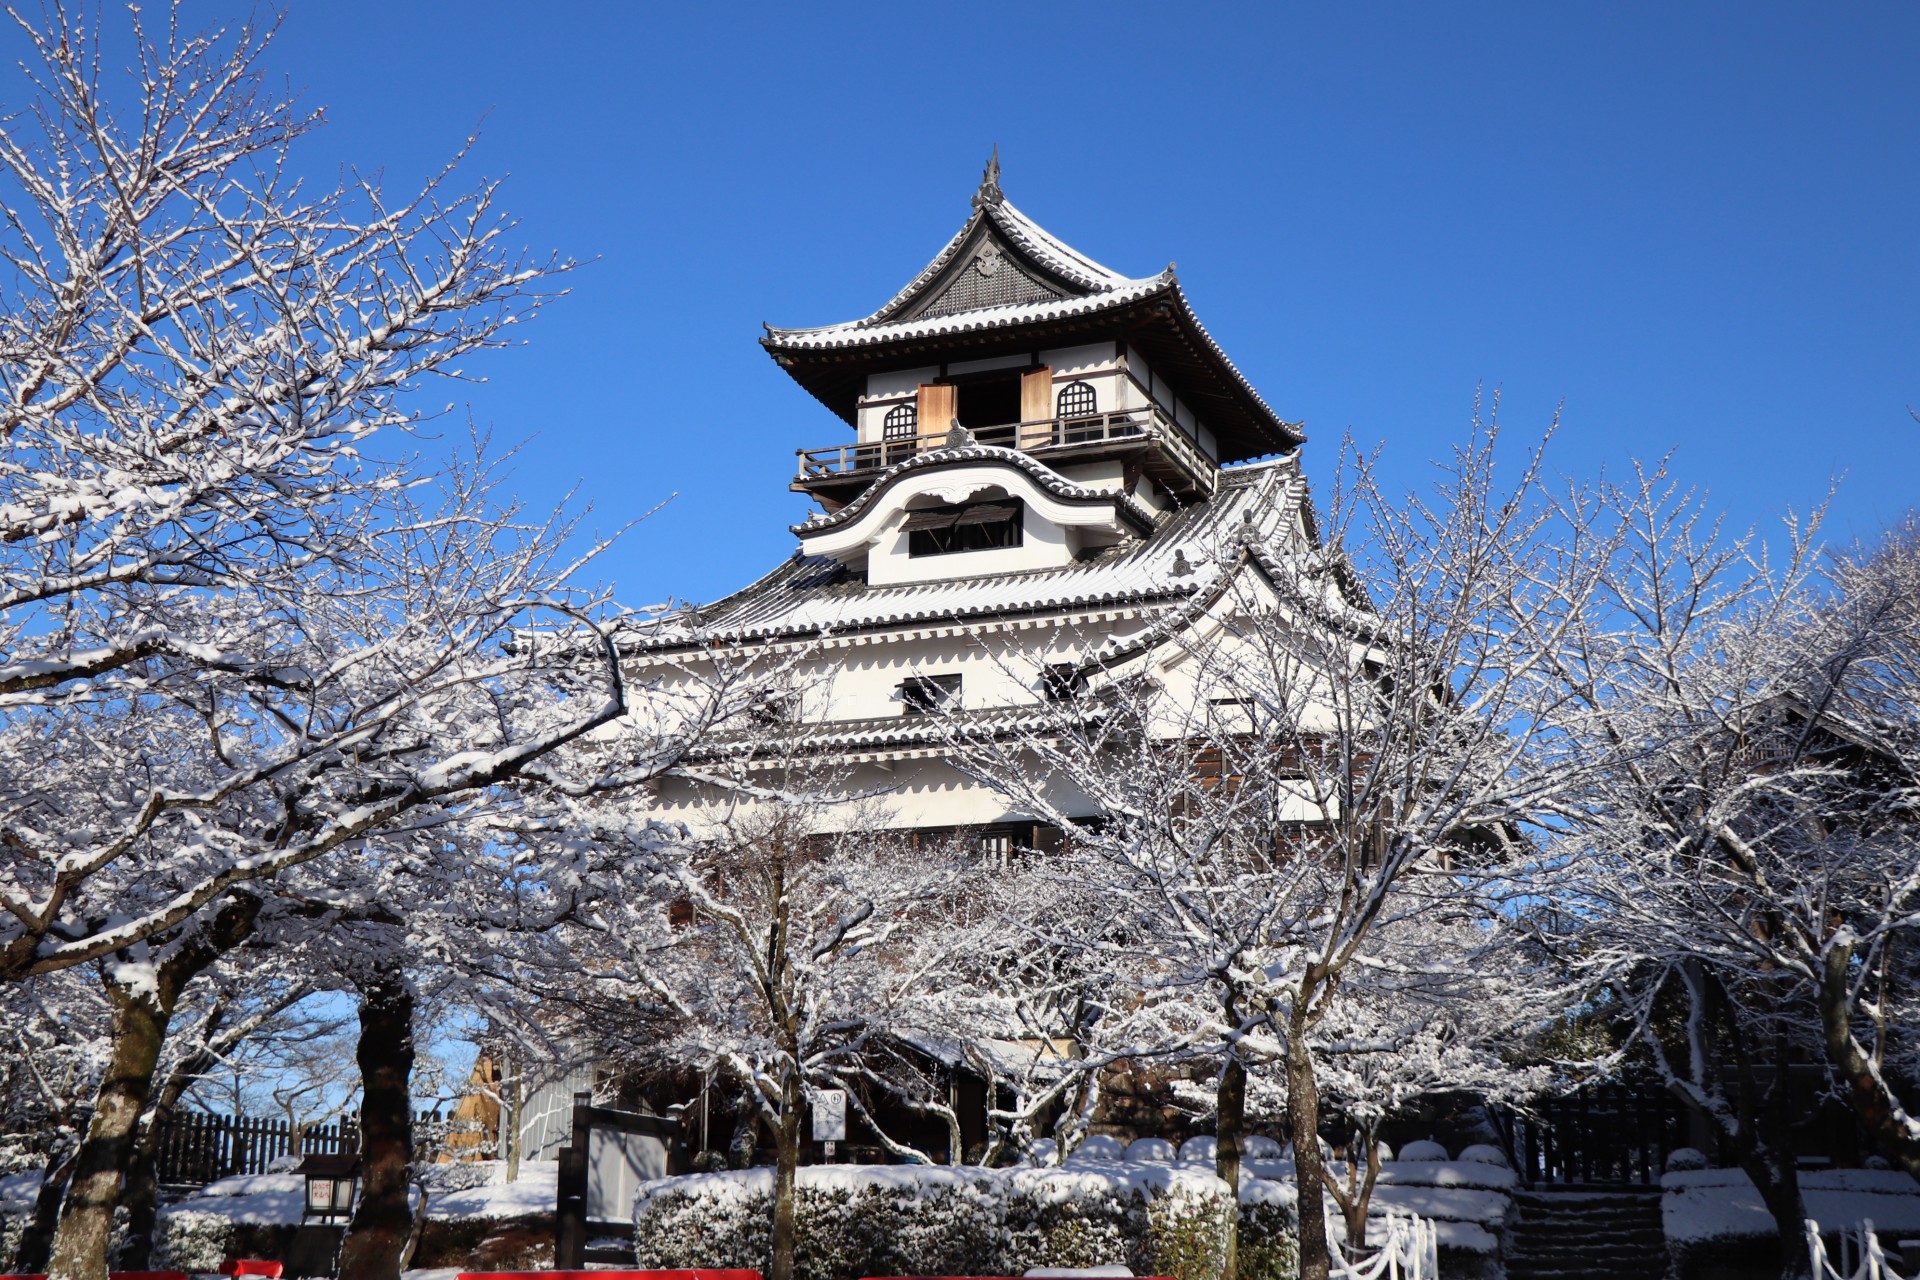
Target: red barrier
x,y
701,1274
254,1267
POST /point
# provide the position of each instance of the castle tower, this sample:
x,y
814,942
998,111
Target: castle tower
x,y
1051,463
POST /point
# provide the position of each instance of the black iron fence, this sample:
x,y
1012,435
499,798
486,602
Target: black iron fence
x,y
1601,1134
194,1148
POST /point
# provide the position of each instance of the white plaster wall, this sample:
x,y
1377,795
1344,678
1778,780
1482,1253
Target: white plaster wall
x,y
900,381
1108,473
875,536
1069,363
870,418
996,670
1043,545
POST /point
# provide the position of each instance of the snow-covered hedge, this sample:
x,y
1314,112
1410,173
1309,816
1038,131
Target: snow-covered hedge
x,y
13,1224
17,1193
863,1220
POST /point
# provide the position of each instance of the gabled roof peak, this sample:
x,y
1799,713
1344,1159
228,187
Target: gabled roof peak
x,y
1000,257
989,192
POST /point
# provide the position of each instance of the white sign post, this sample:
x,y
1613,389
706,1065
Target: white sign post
x,y
830,1118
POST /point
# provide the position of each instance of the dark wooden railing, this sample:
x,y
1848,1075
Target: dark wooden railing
x,y
198,1147
1029,437
1603,1134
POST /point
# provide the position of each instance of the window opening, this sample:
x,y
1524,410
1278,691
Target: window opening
x,y
1063,681
901,420
990,402
974,526
1077,400
900,432
774,709
927,695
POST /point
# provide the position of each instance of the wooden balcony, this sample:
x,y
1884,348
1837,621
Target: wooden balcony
x,y
834,474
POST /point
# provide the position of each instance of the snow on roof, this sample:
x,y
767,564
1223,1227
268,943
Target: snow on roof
x,y
1052,254
885,733
871,332
1046,477
1185,555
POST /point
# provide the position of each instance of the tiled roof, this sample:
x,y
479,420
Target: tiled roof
x,y
869,332
1046,249
893,732
1186,553
1046,477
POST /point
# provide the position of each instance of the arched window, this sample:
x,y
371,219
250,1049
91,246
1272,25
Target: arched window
x,y
902,420
1077,401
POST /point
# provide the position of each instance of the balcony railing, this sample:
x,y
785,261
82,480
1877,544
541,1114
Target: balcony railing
x,y
1045,435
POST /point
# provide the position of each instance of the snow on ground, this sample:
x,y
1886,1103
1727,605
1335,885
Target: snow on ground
x,y
1722,1204
533,1192
277,1198
266,1198
18,1190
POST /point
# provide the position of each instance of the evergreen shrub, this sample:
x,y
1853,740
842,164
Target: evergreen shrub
x,y
878,1220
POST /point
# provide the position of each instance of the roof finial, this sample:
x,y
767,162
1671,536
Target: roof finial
x,y
989,192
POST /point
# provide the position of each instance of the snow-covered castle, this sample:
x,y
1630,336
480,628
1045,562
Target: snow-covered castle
x,y
1045,455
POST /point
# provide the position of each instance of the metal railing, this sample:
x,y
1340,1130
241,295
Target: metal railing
x,y
1410,1252
1861,1257
1040,436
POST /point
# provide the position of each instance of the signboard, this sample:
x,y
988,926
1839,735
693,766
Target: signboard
x,y
617,1163
830,1115
611,1154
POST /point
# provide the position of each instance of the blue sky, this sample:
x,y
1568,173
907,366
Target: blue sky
x,y
1692,224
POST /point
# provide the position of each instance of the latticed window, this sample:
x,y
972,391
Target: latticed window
x,y
902,421
1077,401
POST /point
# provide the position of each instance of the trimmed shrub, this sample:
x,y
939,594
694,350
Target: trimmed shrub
x,y
853,1221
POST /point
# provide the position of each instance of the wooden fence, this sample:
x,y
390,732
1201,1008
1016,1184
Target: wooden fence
x,y
198,1147
1607,1134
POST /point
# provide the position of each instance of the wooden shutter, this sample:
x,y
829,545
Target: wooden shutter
x,y
938,405
1036,394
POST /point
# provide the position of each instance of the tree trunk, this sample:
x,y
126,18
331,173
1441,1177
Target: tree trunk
x,y
510,1116
142,1006
1777,1181
86,1225
1880,1112
1303,1115
36,1242
1360,1183
377,1234
141,1192
141,1195
1230,1105
746,1133
783,1180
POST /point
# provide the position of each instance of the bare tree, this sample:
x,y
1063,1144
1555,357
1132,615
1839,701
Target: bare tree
x,y
784,944
1323,749
232,639
1748,876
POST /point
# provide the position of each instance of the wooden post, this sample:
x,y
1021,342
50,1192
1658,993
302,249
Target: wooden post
x,y
570,1208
